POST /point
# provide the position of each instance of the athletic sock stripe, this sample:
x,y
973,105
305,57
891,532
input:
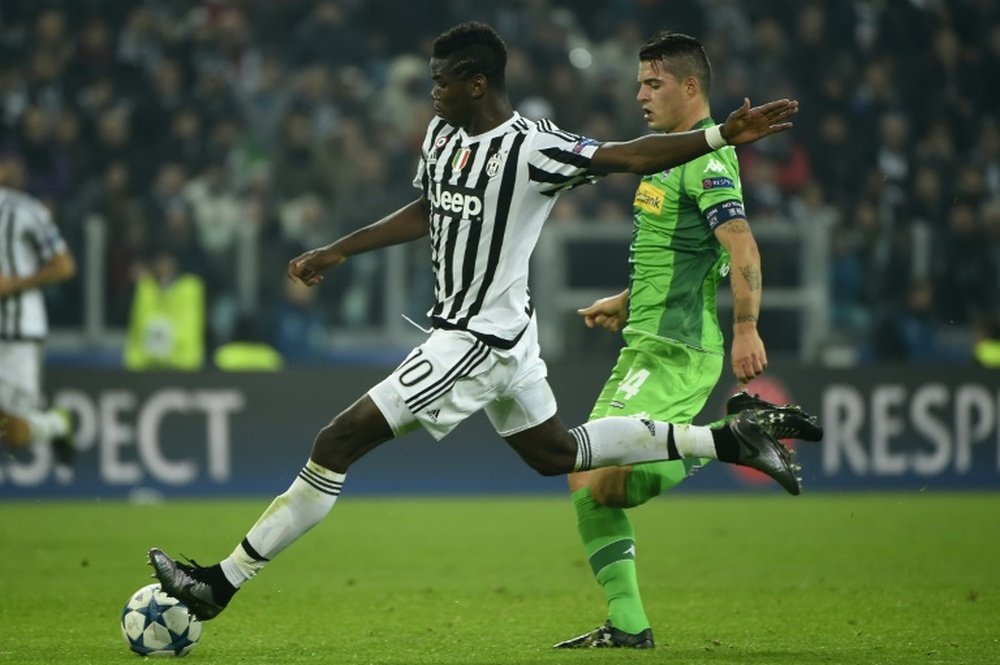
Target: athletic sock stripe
x,y
672,452
251,552
620,550
317,486
322,480
476,356
325,486
583,445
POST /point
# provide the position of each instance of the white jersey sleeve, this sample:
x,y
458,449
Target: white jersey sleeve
x,y
560,160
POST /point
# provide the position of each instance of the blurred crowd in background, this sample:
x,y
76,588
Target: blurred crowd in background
x,y
188,127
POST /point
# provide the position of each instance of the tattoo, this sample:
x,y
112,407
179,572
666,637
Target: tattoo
x,y
737,226
744,318
752,277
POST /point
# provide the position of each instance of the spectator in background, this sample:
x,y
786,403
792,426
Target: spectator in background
x,y
268,102
166,329
327,36
297,168
48,172
247,351
217,215
849,264
964,271
184,140
300,328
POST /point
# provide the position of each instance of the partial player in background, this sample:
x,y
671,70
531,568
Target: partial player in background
x,y
488,179
33,254
690,232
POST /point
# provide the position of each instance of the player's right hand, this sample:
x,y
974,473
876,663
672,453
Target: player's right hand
x,y
308,266
609,313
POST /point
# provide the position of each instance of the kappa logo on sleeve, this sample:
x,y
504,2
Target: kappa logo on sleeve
x,y
715,166
717,183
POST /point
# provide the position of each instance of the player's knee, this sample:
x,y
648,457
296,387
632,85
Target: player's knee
x,y
551,462
333,447
608,486
548,449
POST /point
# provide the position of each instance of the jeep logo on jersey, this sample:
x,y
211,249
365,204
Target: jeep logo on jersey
x,y
461,201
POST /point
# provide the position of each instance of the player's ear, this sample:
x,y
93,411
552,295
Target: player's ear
x,y
692,87
477,86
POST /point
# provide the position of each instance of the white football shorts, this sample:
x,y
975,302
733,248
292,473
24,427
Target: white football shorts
x,y
20,377
453,375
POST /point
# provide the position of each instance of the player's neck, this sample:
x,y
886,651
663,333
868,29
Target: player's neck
x,y
493,113
691,119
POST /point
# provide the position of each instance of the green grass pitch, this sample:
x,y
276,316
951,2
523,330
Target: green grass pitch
x,y
854,579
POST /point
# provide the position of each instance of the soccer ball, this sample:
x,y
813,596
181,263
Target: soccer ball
x,y
155,624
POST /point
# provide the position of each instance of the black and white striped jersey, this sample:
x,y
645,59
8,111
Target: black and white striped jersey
x,y
489,196
29,239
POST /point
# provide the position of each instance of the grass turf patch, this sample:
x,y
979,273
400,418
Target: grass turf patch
x,y
871,578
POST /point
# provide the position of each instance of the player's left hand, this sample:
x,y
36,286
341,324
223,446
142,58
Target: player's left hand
x,y
609,313
749,357
745,124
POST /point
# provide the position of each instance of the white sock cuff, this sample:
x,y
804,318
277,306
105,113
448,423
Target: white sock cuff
x,y
694,441
322,479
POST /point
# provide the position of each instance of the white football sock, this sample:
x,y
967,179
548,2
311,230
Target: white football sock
x,y
303,505
694,441
619,441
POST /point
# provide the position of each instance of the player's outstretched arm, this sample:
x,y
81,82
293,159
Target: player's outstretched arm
x,y
658,152
408,223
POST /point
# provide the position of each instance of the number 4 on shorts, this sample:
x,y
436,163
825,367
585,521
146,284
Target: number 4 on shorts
x,y
632,382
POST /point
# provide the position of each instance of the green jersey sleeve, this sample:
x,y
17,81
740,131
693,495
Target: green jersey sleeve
x,y
712,181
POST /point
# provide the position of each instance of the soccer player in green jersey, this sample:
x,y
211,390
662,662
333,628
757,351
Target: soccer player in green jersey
x,y
690,232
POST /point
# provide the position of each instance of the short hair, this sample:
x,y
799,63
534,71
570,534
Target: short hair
x,y
476,48
681,55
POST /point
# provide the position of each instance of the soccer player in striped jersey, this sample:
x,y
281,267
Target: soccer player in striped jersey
x,y
690,232
33,254
487,180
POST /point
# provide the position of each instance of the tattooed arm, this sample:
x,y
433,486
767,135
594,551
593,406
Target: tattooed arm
x,y
749,359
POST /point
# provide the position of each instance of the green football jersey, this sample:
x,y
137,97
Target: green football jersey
x,y
676,260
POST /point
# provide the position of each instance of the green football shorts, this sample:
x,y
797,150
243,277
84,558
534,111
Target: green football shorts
x,y
661,380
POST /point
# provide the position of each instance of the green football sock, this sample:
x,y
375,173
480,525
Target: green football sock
x,y
653,479
609,540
